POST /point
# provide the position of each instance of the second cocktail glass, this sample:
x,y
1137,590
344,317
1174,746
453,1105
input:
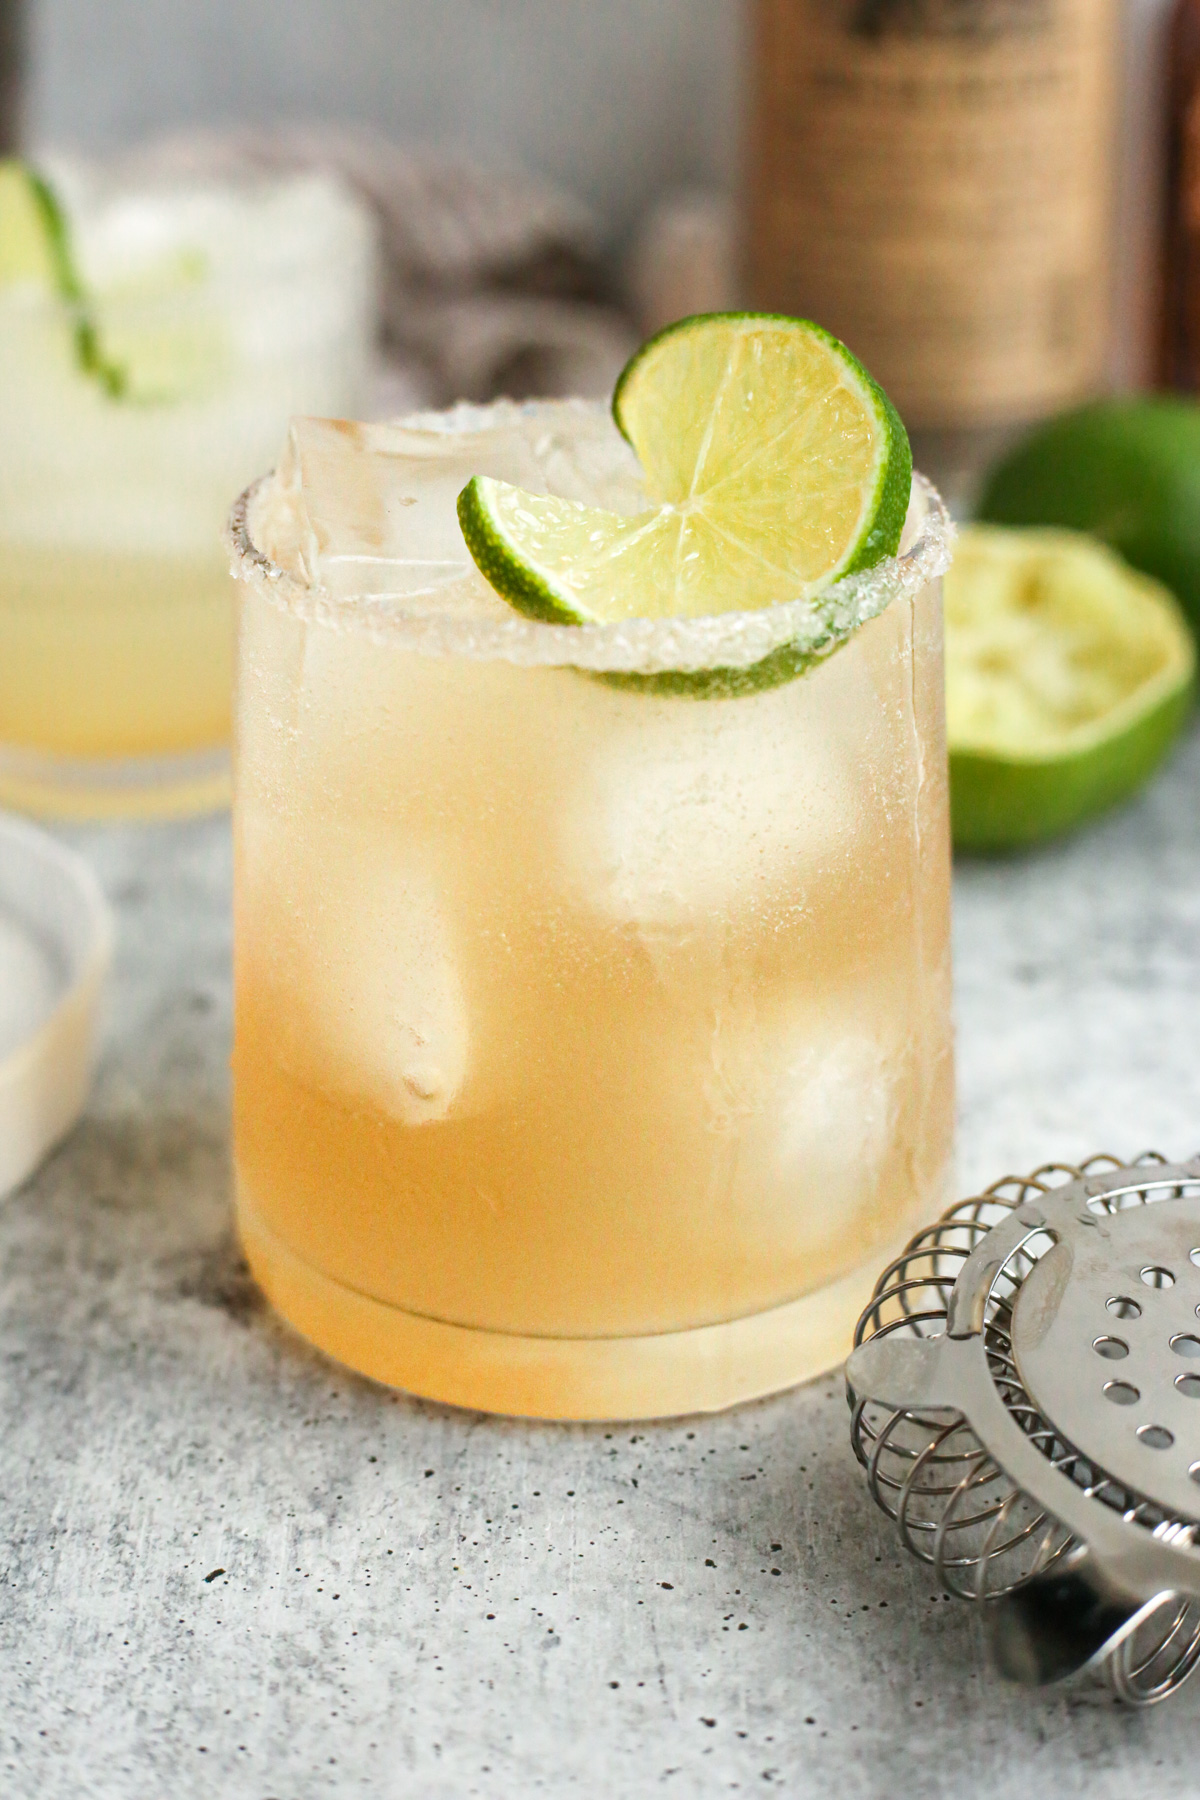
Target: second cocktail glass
x,y
127,415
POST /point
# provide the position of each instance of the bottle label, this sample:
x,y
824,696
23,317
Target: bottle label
x,y
1189,196
932,181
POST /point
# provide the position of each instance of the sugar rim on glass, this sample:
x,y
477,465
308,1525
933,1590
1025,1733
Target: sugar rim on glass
x,y
816,626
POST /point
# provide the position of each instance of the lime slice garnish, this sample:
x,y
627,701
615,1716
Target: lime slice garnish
x,y
143,343
37,248
774,464
1068,675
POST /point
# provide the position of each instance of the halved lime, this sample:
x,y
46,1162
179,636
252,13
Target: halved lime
x,y
1127,470
774,463
1068,675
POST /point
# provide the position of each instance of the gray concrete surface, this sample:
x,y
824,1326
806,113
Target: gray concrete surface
x,y
227,1568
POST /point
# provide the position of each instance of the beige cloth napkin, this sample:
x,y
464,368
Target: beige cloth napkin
x,y
491,280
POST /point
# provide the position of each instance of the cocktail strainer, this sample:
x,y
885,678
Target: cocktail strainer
x,y
1025,1395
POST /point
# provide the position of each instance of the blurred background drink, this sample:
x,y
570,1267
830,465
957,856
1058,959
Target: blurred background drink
x,y
592,1044
153,339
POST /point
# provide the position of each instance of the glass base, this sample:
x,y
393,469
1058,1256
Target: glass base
x,y
171,786
663,1376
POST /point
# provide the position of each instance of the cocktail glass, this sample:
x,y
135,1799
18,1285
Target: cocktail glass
x,y
222,311
592,1043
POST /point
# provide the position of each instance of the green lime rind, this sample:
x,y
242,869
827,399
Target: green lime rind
x,y
894,481
56,236
511,577
999,804
1125,470
499,565
68,284
1069,676
784,664
759,426
787,662
150,358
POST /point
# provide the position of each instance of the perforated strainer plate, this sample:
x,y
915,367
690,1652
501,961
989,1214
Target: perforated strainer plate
x,y
1110,1311
1026,1400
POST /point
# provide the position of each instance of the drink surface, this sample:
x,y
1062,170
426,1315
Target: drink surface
x,y
224,309
569,1013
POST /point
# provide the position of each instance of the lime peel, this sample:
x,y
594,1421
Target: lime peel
x,y
31,214
645,415
774,465
147,365
1126,469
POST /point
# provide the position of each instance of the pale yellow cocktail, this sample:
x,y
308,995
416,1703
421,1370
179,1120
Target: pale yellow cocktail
x,y
208,314
592,1044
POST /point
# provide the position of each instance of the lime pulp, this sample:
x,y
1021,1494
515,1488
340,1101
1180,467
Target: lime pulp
x,y
1068,676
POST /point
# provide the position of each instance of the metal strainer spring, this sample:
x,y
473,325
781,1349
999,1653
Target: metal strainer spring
x,y
1025,1397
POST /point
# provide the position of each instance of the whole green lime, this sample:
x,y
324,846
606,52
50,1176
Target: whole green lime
x,y
1128,471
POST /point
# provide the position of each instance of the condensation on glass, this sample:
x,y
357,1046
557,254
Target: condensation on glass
x,y
592,1044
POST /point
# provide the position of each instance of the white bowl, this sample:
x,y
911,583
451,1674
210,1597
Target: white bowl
x,y
56,937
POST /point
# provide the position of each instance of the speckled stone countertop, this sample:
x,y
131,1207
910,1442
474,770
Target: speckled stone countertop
x,y
231,1569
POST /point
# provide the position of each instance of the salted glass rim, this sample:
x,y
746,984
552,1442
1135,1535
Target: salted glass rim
x,y
815,626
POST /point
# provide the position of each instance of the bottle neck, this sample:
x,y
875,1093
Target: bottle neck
x,y
12,66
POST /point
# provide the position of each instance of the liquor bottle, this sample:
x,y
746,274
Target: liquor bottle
x,y
12,45
1180,347
933,180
